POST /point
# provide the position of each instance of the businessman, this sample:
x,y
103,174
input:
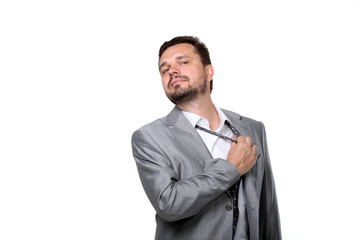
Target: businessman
x,y
205,170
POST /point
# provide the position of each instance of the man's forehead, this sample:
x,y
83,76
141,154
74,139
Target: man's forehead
x,y
181,50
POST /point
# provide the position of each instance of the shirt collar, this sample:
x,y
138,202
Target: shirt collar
x,y
195,119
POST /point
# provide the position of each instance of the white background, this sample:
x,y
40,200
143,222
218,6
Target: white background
x,y
78,77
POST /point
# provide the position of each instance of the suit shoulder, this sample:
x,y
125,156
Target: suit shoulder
x,y
152,125
243,119
252,122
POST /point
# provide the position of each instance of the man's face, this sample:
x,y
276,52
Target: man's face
x,y
184,78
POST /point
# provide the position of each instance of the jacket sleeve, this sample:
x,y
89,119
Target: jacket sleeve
x,y
174,198
269,213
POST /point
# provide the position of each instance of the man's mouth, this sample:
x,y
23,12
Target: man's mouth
x,y
176,80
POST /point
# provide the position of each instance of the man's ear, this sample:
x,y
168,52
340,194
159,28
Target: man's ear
x,y
209,72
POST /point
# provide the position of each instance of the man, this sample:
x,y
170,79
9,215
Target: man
x,y
205,170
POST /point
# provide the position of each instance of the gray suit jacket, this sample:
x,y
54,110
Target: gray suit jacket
x,y
189,189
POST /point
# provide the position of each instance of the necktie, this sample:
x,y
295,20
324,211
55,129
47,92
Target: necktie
x,y
234,190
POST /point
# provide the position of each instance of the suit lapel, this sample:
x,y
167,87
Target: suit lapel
x,y
235,120
187,135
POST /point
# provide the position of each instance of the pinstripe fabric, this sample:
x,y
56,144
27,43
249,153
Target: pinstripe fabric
x,y
189,189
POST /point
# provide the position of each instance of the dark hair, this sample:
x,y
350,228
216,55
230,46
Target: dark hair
x,y
200,49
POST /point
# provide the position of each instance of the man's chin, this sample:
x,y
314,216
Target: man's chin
x,y
182,97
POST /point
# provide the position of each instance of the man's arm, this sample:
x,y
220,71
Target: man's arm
x,y
174,198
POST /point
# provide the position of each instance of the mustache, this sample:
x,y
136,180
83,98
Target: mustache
x,y
183,77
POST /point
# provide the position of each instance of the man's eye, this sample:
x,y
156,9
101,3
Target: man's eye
x,y
166,70
183,63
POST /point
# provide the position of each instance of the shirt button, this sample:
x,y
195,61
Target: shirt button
x,y
228,207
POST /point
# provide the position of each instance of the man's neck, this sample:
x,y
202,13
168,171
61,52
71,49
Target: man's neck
x,y
204,109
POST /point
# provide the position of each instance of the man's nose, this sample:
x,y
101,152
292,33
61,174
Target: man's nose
x,y
173,70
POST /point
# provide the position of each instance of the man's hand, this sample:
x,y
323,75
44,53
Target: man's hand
x,y
243,154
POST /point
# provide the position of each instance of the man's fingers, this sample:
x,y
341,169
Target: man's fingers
x,y
245,139
243,154
254,148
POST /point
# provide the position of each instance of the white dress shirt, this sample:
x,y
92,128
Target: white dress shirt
x,y
218,147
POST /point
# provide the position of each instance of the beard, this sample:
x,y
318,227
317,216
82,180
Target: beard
x,y
187,94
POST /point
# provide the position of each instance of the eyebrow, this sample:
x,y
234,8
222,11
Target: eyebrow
x,y
177,58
